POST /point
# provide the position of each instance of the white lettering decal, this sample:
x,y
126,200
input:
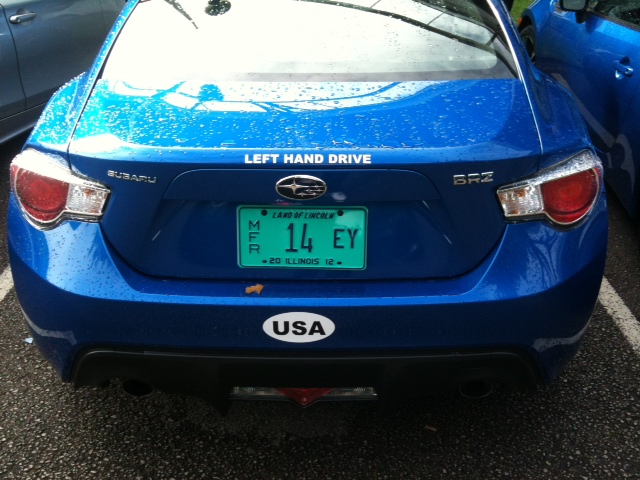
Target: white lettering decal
x,y
350,158
261,158
308,158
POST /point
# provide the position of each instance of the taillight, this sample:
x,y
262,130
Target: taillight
x,y
569,199
49,193
564,194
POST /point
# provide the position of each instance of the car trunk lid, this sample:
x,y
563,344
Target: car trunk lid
x,y
417,162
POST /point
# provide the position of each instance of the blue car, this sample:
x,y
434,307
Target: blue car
x,y
309,200
42,45
593,49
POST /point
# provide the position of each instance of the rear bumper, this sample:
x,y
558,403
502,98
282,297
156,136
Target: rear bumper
x,y
212,377
520,315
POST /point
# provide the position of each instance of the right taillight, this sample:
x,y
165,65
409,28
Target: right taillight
x,y
49,193
563,194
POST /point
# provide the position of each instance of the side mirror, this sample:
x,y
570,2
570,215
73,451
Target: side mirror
x,y
573,5
578,6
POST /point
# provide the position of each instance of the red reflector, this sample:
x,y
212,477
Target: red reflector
x,y
304,396
42,197
568,199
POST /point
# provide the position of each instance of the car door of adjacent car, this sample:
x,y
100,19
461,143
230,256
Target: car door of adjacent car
x,y
55,40
11,94
598,59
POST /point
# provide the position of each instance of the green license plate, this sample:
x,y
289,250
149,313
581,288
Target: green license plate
x,y
302,237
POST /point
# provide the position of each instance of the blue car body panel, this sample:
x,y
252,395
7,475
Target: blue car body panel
x,y
446,274
412,233
595,60
489,308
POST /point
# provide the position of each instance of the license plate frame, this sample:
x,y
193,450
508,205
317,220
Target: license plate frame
x,y
325,238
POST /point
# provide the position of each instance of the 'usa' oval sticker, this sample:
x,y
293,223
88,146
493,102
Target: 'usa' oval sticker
x,y
298,327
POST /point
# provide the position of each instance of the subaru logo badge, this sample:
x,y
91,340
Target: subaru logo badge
x,y
301,187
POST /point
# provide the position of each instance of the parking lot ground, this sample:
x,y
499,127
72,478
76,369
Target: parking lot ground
x,y
586,425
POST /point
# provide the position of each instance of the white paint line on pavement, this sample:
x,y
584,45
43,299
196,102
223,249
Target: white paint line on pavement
x,y
608,298
6,283
622,316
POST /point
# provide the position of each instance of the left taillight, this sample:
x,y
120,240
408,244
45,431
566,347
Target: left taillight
x,y
563,194
49,193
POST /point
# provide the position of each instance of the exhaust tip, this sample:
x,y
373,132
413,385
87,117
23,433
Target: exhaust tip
x,y
476,389
136,388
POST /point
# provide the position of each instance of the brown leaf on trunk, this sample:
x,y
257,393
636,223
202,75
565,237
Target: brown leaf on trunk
x,y
255,288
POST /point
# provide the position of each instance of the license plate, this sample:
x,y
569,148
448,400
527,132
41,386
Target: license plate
x,y
302,237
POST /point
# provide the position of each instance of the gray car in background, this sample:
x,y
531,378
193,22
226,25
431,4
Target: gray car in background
x,y
43,44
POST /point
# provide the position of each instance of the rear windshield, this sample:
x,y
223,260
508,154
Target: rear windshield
x,y
168,41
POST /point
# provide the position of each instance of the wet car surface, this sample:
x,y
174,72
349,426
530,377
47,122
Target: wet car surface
x,y
312,221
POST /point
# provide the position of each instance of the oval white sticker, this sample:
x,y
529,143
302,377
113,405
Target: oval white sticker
x,y
298,327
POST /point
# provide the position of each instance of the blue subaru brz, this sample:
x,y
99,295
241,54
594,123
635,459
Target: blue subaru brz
x,y
309,200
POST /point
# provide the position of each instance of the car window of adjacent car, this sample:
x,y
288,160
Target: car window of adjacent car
x,y
619,10
166,41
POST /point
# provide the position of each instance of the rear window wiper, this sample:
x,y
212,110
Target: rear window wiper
x,y
176,4
411,21
487,47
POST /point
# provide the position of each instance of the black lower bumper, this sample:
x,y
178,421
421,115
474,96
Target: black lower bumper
x,y
393,377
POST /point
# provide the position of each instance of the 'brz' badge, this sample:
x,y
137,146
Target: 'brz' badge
x,y
301,187
298,327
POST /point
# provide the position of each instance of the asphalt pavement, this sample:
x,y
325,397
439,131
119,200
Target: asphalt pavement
x,y
584,426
